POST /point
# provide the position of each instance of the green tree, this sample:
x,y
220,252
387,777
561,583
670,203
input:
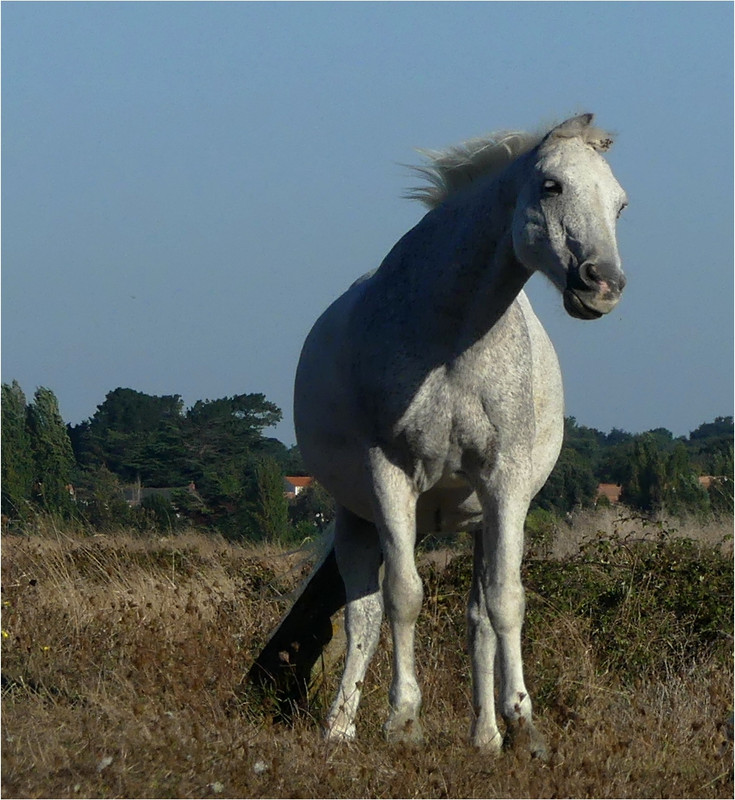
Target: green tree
x,y
570,485
52,453
17,457
219,434
659,475
130,411
272,507
615,463
223,442
215,444
100,500
711,447
682,490
312,506
135,435
719,428
586,442
643,486
572,482
617,436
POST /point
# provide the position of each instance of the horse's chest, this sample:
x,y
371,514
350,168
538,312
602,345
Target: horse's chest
x,y
464,415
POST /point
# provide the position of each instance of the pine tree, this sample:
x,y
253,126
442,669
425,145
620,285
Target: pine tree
x,y
17,457
52,453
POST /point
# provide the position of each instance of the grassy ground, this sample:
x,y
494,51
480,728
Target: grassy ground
x,y
123,661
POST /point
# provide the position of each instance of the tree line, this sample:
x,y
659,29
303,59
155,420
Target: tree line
x,y
211,463
655,469
213,466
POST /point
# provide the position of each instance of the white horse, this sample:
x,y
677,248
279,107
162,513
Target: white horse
x,y
429,398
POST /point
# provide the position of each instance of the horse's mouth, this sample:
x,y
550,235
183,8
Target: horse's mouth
x,y
576,307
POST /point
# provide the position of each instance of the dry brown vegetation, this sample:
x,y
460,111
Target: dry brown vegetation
x,y
124,658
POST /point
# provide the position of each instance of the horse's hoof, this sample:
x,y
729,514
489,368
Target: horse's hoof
x,y
403,731
488,745
522,735
335,735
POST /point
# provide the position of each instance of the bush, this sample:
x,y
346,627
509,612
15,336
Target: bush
x,y
650,607
541,529
160,511
643,609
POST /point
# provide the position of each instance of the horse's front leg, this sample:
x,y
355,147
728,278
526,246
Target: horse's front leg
x,y
500,575
484,733
395,512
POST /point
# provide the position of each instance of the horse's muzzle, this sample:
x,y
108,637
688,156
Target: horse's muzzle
x,y
593,290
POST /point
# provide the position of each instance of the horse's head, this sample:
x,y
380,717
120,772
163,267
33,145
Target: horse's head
x,y
564,221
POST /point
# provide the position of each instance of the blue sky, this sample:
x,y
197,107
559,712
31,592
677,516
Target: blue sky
x,y
186,186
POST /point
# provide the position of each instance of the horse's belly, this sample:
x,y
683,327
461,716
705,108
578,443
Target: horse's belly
x,y
449,506
445,509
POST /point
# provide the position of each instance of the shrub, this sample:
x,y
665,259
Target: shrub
x,y
161,512
541,529
650,607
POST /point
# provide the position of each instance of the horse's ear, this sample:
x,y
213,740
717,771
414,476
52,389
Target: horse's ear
x,y
576,126
582,126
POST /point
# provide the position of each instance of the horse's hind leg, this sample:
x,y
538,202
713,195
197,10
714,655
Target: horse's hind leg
x,y
357,549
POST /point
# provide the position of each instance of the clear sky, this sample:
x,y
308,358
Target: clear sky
x,y
186,186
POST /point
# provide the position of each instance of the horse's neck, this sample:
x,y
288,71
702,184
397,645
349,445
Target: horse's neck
x,y
466,274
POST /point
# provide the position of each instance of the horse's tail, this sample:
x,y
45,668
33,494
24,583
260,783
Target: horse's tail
x,y
287,663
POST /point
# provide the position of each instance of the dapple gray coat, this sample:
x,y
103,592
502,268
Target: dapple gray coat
x,y
428,398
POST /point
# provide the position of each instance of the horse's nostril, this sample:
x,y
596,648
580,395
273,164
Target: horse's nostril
x,y
590,273
598,277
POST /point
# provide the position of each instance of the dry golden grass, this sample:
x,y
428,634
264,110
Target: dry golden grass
x,y
123,667
618,520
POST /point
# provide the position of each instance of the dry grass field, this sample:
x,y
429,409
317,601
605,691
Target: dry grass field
x,y
123,661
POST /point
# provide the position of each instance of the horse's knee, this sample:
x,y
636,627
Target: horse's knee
x,y
403,595
506,604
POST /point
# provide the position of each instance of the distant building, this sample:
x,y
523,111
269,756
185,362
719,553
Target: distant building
x,y
611,491
293,484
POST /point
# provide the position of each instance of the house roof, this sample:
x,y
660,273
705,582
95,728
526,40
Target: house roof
x,y
610,490
300,480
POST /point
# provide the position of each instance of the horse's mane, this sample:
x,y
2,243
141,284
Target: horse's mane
x,y
452,169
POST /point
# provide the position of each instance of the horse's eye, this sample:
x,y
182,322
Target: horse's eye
x,y
552,187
